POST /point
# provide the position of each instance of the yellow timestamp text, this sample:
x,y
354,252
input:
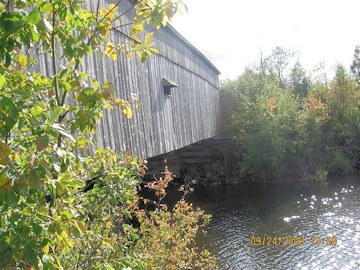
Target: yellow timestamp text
x,y
292,241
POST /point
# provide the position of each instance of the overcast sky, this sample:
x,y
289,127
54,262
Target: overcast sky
x,y
231,33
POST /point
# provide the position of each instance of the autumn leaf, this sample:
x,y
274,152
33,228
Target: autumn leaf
x,y
111,51
46,249
80,226
71,63
113,7
4,153
5,182
127,111
138,105
42,142
2,82
95,84
149,37
108,91
104,29
22,60
119,102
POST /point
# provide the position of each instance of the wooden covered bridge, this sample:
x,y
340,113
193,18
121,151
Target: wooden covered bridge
x,y
178,89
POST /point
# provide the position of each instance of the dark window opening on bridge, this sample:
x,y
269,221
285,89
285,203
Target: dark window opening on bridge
x,y
167,85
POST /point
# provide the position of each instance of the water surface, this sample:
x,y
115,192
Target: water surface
x,y
241,212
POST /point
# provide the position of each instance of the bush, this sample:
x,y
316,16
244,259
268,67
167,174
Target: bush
x,y
168,237
338,163
320,177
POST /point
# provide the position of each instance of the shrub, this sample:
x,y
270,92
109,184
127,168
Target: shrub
x,y
320,177
338,163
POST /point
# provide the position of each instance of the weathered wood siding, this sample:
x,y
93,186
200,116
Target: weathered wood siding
x,y
163,123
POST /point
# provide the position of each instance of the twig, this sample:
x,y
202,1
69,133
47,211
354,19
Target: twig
x,y
54,64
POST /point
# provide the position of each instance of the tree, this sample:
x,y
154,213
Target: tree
x,y
355,67
299,81
48,219
262,123
343,101
279,61
343,95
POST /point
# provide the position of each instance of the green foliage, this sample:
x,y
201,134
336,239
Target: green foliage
x,y
337,162
263,121
291,126
300,82
49,217
321,177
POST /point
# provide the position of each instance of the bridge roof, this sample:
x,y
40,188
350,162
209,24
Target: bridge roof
x,y
192,47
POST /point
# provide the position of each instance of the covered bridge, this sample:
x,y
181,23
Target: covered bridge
x,y
178,89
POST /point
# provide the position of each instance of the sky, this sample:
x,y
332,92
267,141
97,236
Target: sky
x,y
232,33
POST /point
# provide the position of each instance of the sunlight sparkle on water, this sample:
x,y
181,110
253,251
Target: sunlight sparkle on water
x,y
336,215
288,219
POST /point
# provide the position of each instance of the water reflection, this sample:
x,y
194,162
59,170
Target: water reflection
x,y
314,213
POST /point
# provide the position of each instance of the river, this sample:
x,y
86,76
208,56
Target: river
x,y
272,226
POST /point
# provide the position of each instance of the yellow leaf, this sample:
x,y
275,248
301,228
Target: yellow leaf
x,y
15,157
114,55
104,29
111,51
148,37
138,106
127,111
95,84
119,102
4,153
113,7
70,243
136,38
71,63
6,183
22,60
106,241
110,45
80,226
46,249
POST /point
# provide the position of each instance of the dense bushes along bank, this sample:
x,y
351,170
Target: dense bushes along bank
x,y
290,123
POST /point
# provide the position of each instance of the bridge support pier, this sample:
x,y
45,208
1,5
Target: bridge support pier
x,y
207,161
